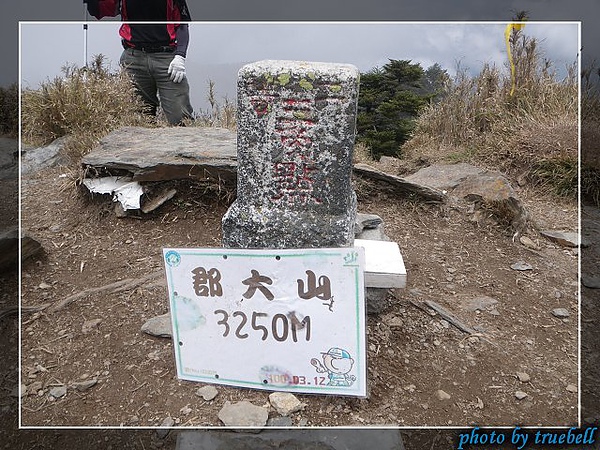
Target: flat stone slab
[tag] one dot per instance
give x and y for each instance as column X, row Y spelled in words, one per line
column 444, row 176
column 313, row 439
column 402, row 185
column 384, row 265
column 160, row 154
column 564, row 238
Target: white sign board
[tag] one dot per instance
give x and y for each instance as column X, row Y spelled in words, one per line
column 282, row 320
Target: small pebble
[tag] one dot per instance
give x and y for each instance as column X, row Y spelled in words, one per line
column 520, row 395
column 523, row 377
column 58, row 392
column 84, row 385
column 442, row 395
column 207, row 392
column 521, row 266
column 561, row 313
column 285, row 403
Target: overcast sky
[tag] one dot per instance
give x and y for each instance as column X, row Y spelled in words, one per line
column 218, row 50
column 587, row 11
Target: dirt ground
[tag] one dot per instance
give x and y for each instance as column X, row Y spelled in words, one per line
column 520, row 368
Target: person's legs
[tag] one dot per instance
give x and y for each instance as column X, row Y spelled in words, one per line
column 174, row 97
column 137, row 64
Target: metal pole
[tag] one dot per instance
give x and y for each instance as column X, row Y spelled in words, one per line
column 85, row 43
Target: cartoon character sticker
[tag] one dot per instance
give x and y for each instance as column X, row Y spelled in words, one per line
column 338, row 364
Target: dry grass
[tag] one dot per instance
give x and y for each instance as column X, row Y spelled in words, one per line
column 531, row 134
column 85, row 104
column 219, row 115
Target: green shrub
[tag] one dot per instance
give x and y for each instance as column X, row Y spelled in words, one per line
column 389, row 101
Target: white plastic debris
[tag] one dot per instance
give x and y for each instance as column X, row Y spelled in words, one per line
column 123, row 190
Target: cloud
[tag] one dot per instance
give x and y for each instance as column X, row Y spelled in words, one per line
column 218, row 50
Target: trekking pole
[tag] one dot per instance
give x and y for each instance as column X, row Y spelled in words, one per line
column 85, row 28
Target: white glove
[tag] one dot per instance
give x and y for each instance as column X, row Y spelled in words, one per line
column 177, row 69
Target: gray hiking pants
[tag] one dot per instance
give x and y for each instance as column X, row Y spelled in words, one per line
column 150, row 76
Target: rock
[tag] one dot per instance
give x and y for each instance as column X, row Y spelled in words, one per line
column 442, row 395
column 285, row 403
column 366, row 222
column 58, row 392
column 159, row 326
column 527, row 242
column 561, row 313
column 280, row 421
column 444, row 176
column 376, row 300
column 572, row 388
column 590, row 281
column 158, row 200
column 42, row 157
column 84, row 385
column 523, row 377
column 521, row 266
column 482, row 303
column 394, row 322
column 520, row 395
column 89, row 325
column 243, row 414
column 9, row 248
column 208, row 393
column 163, row 429
column 373, row 234
column 401, row 185
column 564, row 238
column 296, row 124
column 120, row 212
column 34, row 388
column 167, row 153
column 492, row 191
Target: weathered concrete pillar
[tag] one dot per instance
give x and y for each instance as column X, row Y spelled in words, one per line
column 296, row 128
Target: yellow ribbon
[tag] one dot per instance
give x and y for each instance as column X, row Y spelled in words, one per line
column 507, row 32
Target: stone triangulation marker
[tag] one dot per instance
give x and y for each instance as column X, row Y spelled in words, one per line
column 296, row 127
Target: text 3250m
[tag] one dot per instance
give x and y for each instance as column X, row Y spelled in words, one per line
column 280, row 327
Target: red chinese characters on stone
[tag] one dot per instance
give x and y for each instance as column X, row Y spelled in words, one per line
column 262, row 104
column 294, row 183
column 294, row 175
column 294, row 135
